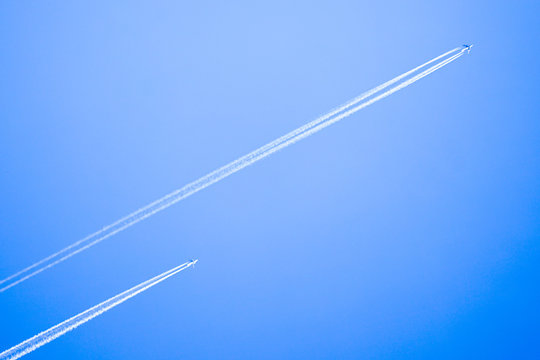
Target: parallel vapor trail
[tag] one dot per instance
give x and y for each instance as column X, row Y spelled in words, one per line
column 316, row 125
column 56, row 331
column 261, row 149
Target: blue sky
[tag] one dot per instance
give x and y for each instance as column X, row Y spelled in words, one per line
column 407, row 230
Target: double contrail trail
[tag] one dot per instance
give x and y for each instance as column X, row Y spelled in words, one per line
column 366, row 99
column 56, row 331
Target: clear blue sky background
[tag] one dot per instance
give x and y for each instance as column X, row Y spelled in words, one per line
column 410, row 230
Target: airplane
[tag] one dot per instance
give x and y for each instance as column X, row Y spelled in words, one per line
column 468, row 47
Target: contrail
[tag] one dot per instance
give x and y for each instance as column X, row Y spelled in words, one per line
column 56, row 331
column 261, row 149
column 234, row 166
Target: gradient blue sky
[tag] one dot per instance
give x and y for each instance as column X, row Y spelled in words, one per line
column 410, row 230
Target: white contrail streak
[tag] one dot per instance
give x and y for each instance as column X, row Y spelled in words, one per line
column 263, row 148
column 56, row 331
column 229, row 169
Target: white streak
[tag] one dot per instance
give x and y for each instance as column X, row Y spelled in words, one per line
column 229, row 169
column 56, row 331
